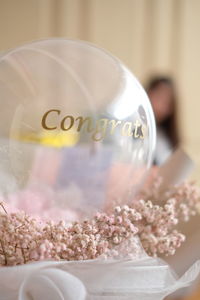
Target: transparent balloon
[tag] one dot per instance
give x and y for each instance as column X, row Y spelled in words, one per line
column 75, row 122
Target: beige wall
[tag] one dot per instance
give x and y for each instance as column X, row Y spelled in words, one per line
column 150, row 36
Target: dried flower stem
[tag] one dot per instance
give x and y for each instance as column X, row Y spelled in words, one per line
column 4, row 253
column 1, row 204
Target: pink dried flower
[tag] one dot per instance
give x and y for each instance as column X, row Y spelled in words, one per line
column 24, row 239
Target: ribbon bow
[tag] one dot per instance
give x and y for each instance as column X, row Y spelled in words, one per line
column 144, row 279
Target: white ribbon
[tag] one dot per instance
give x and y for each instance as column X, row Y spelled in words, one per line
column 145, row 279
column 39, row 281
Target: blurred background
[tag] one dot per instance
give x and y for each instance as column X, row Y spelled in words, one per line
column 153, row 38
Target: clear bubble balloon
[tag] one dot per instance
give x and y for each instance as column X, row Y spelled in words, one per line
column 74, row 120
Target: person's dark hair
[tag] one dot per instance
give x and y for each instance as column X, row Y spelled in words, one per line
column 169, row 125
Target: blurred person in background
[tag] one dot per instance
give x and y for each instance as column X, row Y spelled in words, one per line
column 162, row 95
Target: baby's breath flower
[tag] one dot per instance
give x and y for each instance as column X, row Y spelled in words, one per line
column 152, row 218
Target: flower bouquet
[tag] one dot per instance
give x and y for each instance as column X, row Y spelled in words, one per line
column 77, row 220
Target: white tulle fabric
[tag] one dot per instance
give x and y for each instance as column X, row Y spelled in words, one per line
column 145, row 279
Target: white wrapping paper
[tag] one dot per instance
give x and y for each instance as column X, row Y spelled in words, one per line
column 144, row 279
column 176, row 169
